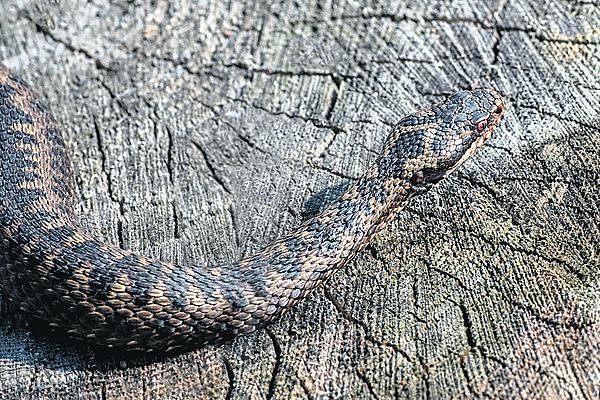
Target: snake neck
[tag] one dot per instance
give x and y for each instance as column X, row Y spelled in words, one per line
column 331, row 238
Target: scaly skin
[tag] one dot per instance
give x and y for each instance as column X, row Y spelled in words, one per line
column 95, row 292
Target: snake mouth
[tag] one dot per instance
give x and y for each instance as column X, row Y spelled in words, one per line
column 495, row 117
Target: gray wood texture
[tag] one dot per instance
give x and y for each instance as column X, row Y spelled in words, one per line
column 203, row 130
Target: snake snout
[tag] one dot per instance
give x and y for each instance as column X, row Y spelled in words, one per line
column 492, row 107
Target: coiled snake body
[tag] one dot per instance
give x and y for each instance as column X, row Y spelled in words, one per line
column 54, row 271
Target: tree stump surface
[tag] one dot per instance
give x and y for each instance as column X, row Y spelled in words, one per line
column 202, row 131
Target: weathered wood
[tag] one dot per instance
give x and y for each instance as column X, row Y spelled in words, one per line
column 202, row 131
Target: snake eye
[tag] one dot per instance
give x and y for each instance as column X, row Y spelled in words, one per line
column 481, row 125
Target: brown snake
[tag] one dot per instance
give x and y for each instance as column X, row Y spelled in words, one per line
column 54, row 271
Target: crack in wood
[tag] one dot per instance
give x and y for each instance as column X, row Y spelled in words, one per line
column 109, row 184
column 367, row 383
column 234, row 224
column 560, row 117
column 449, row 275
column 47, row 33
column 120, row 103
column 230, row 378
column 276, row 367
column 176, row 232
column 479, row 185
column 211, row 168
column 169, row 153
column 366, row 330
column 531, row 253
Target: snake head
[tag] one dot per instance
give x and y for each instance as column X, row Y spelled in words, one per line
column 427, row 146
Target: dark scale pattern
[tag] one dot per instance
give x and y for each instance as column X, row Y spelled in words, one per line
column 106, row 296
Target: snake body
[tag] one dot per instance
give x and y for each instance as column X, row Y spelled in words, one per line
column 54, row 271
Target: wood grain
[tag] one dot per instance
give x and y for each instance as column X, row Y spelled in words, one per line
column 201, row 131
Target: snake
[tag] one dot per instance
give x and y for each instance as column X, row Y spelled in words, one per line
column 106, row 297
